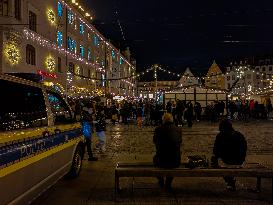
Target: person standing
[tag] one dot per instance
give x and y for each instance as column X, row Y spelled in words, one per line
column 230, row 147
column 197, row 111
column 100, row 130
column 167, row 139
column 87, row 123
column 189, row 114
column 139, row 116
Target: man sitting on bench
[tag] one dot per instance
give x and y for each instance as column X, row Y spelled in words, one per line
column 167, row 139
column 230, row 146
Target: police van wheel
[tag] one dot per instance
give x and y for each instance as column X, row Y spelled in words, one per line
column 76, row 163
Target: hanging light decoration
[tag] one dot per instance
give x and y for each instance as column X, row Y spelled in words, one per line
column 51, row 16
column 12, row 53
column 50, row 64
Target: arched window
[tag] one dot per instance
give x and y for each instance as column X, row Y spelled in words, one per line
column 30, row 55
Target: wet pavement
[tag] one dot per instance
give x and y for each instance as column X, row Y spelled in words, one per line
column 130, row 143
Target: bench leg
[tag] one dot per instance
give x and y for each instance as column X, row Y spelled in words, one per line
column 116, row 187
column 259, row 184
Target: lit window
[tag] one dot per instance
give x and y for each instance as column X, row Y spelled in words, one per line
column 60, row 9
column 96, row 41
column 103, row 79
column 113, row 54
column 82, row 51
column 69, row 43
column 81, row 28
column 89, row 54
column 74, row 46
column 60, row 38
column 120, row 61
column 70, row 17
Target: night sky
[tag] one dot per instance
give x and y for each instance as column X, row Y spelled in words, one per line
column 179, row 34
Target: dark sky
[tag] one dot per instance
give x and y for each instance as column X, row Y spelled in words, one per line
column 179, row 34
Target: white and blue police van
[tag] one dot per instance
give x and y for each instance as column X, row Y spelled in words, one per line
column 40, row 142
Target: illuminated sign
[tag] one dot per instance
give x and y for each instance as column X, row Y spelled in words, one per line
column 47, row 75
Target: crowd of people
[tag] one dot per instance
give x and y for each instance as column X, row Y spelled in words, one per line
column 229, row 148
column 150, row 112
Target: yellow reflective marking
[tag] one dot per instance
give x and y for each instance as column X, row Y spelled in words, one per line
column 15, row 135
column 19, row 165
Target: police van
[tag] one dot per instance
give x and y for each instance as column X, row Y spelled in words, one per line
column 40, row 141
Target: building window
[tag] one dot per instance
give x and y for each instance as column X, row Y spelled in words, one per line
column 89, row 73
column 263, row 68
column 89, row 54
column 69, row 43
column 228, row 78
column 228, row 85
column 4, row 7
column 60, row 9
column 74, row 46
column 30, row 55
column 17, row 9
column 32, row 21
column 258, row 77
column 270, row 68
column 233, row 77
column 71, row 67
column 81, row 28
column 59, row 64
column 96, row 41
column 70, row 17
column 81, row 51
column 60, row 38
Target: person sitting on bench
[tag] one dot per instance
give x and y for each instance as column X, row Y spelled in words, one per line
column 167, row 139
column 230, row 146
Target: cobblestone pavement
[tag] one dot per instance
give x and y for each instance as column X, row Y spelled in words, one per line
column 130, row 143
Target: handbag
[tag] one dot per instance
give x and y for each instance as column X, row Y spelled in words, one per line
column 198, row 161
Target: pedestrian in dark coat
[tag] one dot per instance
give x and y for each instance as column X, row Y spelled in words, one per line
column 189, row 114
column 167, row 139
column 230, row 146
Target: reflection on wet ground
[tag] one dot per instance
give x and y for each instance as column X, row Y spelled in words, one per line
column 129, row 143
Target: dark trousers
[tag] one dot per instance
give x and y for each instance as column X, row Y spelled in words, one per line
column 168, row 181
column 88, row 144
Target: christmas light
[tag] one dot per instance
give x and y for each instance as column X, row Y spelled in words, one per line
column 30, row 35
column 12, row 53
column 51, row 16
column 50, row 64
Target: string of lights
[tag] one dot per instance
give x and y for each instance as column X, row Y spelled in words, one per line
column 30, row 35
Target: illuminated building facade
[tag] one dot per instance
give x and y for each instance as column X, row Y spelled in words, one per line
column 245, row 78
column 148, row 89
column 188, row 79
column 215, row 79
column 56, row 39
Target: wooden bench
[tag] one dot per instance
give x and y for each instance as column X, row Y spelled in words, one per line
column 147, row 169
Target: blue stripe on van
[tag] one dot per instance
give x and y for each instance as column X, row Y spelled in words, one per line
column 19, row 151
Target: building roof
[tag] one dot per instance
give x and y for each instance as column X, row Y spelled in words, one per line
column 214, row 69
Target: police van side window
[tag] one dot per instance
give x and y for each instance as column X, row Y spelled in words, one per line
column 59, row 109
column 22, row 106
